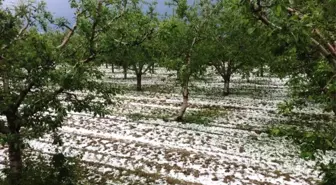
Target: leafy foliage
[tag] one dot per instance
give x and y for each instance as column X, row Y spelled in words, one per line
column 328, row 171
column 310, row 141
column 58, row 170
column 302, row 42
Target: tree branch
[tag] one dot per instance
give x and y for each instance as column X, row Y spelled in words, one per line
column 41, row 103
column 143, row 39
column 71, row 95
column 71, row 31
column 330, row 47
column 257, row 11
column 325, row 52
column 68, row 36
column 22, row 95
column 89, row 59
column 66, row 26
column 94, row 26
column 193, row 42
column 93, row 35
column 24, row 28
column 148, row 67
column 330, row 80
column 120, row 42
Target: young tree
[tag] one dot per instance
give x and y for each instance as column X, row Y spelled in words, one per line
column 135, row 43
column 183, row 33
column 42, row 72
column 234, row 45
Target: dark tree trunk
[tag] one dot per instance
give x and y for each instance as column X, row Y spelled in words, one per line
column 248, row 78
column 334, row 104
column 138, row 77
column 262, row 71
column 15, row 160
column 106, row 65
column 152, row 71
column 112, row 68
column 5, row 81
column 226, row 85
column 125, row 72
column 14, row 151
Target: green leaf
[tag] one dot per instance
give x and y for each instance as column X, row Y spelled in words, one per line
column 309, row 134
column 250, row 30
column 278, row 10
column 310, row 25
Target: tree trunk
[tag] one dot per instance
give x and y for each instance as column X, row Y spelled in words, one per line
column 334, row 104
column 106, row 65
column 15, row 160
column 185, row 94
column 5, row 82
column 185, row 90
column 262, row 71
column 112, row 68
column 138, row 77
column 125, row 72
column 14, row 151
column 226, row 85
column 152, row 69
column 248, row 78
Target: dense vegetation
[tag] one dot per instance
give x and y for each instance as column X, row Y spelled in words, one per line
column 45, row 61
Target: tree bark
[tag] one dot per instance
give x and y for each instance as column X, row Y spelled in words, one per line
column 185, row 91
column 152, row 71
column 14, row 151
column 248, row 78
column 112, row 68
column 334, row 104
column 226, row 85
column 185, row 94
column 106, row 65
column 138, row 77
column 15, row 160
column 261, row 71
column 5, row 81
column 125, row 72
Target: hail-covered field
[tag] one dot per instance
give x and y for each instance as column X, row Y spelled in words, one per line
column 221, row 142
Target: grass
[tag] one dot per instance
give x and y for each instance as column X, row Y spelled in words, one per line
column 204, row 116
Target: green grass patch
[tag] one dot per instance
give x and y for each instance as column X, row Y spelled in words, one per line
column 203, row 116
